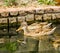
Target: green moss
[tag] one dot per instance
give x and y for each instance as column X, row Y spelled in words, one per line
column 47, row 2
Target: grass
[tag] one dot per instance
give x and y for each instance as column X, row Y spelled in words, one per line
column 47, row 2
column 10, row 2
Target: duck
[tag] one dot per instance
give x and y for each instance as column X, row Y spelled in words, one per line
column 35, row 30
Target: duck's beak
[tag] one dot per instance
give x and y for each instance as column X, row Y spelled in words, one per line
column 19, row 29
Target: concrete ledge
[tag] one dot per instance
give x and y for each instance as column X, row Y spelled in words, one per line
column 48, row 8
column 29, row 14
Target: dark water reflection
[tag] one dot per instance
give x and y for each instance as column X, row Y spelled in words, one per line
column 35, row 46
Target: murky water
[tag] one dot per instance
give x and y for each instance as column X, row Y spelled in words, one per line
column 35, row 46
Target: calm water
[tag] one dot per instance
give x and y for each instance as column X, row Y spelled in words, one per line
column 41, row 46
column 35, row 46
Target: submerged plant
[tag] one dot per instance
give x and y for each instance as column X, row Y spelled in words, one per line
column 47, row 2
column 11, row 47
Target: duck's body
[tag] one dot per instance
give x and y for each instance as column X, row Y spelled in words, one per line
column 36, row 30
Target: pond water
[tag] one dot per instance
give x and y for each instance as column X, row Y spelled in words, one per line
column 33, row 45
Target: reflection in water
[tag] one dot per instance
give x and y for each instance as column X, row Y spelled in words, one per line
column 44, row 46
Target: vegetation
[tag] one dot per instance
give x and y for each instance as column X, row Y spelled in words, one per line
column 11, row 46
column 10, row 2
column 47, row 2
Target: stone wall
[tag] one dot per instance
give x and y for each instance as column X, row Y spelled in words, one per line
column 11, row 17
column 29, row 14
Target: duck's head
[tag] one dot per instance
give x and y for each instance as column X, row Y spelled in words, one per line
column 23, row 26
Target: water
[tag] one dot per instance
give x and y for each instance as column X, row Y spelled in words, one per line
column 35, row 46
column 41, row 46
